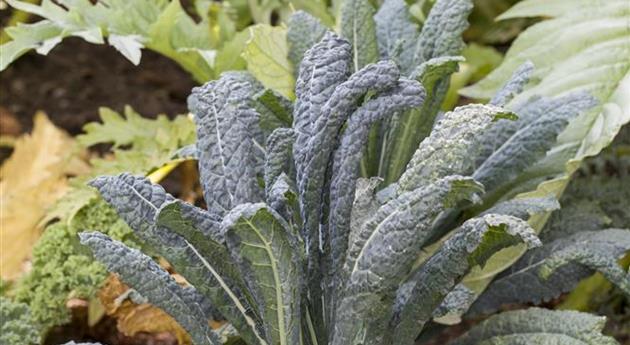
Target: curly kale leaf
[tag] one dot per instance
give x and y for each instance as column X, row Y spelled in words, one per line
column 59, row 269
column 17, row 326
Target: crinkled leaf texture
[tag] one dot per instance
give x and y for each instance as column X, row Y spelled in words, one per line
column 396, row 33
column 433, row 61
column 228, row 141
column 151, row 281
column 471, row 245
column 142, row 205
column 523, row 283
column 304, row 31
column 538, row 326
column 383, row 253
column 16, row 324
column 267, row 252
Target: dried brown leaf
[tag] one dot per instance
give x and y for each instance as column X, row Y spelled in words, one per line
column 135, row 318
column 31, row 180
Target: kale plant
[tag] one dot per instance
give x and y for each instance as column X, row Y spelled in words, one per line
column 354, row 214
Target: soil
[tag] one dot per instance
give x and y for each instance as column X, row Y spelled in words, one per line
column 76, row 78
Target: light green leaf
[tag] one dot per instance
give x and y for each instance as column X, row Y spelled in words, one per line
column 140, row 144
column 317, row 8
column 163, row 26
column 266, row 54
column 176, row 35
column 24, row 38
column 129, row 46
column 543, row 8
column 589, row 40
column 229, row 57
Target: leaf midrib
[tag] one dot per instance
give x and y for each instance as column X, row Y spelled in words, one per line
column 276, row 278
column 229, row 291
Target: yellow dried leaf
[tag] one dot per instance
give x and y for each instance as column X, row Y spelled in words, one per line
column 31, row 180
column 134, row 318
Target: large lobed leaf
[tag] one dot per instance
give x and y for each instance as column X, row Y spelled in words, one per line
column 162, row 26
column 266, row 56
